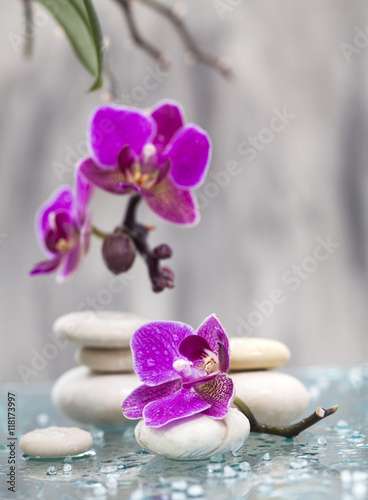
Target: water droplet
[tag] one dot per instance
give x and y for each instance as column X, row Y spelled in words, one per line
column 178, row 495
column 67, row 468
column 322, row 441
column 266, row 457
column 229, row 472
column 195, row 491
column 68, row 460
column 137, row 495
column 299, row 463
column 42, row 419
column 342, row 424
column 219, row 458
column 214, row 468
column 99, row 490
column 179, row 485
column 111, row 483
column 245, row 466
column 108, row 469
column 51, row 471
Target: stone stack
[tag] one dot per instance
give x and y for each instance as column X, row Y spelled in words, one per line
column 92, row 393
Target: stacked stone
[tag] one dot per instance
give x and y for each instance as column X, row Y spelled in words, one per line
column 93, row 392
column 275, row 398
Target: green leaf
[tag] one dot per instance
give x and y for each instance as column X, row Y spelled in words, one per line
column 79, row 20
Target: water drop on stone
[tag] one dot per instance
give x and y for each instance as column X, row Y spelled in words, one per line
column 111, row 484
column 266, row 457
column 342, row 424
column 178, row 495
column 137, row 495
column 322, row 441
column 195, row 491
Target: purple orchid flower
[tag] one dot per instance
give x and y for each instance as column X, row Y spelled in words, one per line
column 63, row 229
column 183, row 372
column 154, row 155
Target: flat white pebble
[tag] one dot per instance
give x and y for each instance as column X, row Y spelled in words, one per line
column 196, row 437
column 106, row 329
column 93, row 398
column 275, row 398
column 56, row 442
column 251, row 353
column 106, row 360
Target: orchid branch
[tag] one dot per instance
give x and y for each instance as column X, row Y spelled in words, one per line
column 28, row 38
column 199, row 54
column 190, row 43
column 97, row 232
column 161, row 278
column 135, row 34
column 288, row 431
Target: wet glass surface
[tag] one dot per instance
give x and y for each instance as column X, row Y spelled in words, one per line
column 329, row 461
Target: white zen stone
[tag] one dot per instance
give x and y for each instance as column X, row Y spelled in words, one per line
column 274, row 398
column 56, row 442
column 106, row 360
column 106, row 329
column 195, row 438
column 93, row 398
column 249, row 353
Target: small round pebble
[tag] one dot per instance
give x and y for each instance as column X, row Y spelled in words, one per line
column 56, row 442
column 106, row 329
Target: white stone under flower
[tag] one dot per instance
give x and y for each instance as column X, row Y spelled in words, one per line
column 195, row 438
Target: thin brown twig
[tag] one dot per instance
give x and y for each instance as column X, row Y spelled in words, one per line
column 28, row 28
column 199, row 54
column 134, row 32
column 288, row 431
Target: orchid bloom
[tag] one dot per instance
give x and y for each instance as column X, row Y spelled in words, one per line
column 154, row 155
column 63, row 229
column 183, row 372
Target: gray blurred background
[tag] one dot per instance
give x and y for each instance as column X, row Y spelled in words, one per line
column 261, row 226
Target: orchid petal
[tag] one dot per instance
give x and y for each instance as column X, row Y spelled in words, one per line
column 83, row 193
column 61, row 199
column 70, row 264
column 113, row 127
column 189, row 152
column 133, row 405
column 198, row 379
column 45, row 267
column 193, row 347
column 173, row 204
column 155, row 349
column 212, row 330
column 224, row 358
column 107, row 179
column 219, row 393
column 168, row 116
column 125, row 159
column 182, row 403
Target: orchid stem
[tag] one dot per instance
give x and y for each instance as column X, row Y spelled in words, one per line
column 288, row 431
column 97, row 232
column 29, row 31
column 161, row 277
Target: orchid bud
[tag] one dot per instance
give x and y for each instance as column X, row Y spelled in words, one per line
column 162, row 252
column 118, row 252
